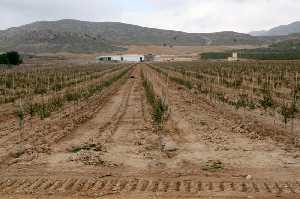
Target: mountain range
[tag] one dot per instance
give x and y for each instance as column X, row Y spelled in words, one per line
column 86, row 37
column 282, row 30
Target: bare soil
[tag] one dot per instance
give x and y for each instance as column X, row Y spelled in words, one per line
column 117, row 152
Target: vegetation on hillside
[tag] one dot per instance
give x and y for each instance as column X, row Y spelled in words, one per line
column 259, row 54
column 285, row 50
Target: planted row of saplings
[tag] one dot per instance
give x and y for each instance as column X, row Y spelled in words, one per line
column 56, row 96
column 262, row 95
column 287, row 109
column 159, row 106
column 250, row 76
column 255, row 84
column 264, row 98
column 27, row 78
column 44, row 108
column 184, row 82
column 13, row 95
column 276, row 72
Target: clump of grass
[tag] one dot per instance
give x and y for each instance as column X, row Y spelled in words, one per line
column 76, row 149
column 87, row 147
column 213, row 165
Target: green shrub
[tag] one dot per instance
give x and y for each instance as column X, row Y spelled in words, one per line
column 12, row 58
column 4, row 59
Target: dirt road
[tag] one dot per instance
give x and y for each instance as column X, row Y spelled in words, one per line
column 119, row 153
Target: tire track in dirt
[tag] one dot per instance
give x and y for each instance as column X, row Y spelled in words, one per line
column 192, row 187
column 131, row 140
column 107, row 131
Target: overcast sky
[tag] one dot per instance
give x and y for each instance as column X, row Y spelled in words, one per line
column 184, row 15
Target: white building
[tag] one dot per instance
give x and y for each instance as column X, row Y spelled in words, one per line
column 122, row 58
column 234, row 57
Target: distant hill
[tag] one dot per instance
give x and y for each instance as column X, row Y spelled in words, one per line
column 51, row 41
column 280, row 30
column 84, row 37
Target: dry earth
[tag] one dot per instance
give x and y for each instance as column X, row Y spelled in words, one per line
column 118, row 153
column 191, row 52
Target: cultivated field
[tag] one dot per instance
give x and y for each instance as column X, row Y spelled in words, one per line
column 150, row 130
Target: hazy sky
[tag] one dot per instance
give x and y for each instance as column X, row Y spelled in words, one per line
column 184, row 15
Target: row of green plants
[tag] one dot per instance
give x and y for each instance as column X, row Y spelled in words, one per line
column 287, row 108
column 242, row 74
column 159, row 107
column 236, row 83
column 10, row 92
column 274, row 84
column 44, row 108
column 15, row 79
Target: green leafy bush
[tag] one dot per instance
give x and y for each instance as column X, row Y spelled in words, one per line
column 12, row 58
